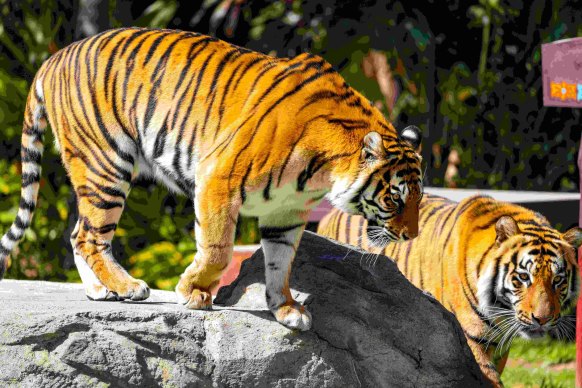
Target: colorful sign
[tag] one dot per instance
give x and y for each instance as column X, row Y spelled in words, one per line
column 562, row 73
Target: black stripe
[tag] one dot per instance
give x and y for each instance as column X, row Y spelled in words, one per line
column 276, row 232
column 306, row 174
column 26, row 205
column 106, row 205
column 483, row 257
column 160, row 142
column 193, row 137
column 434, row 210
column 109, row 67
column 29, row 179
column 358, row 194
column 243, row 193
column 156, row 79
column 19, row 223
column 101, row 229
column 3, row 252
column 96, row 111
column 348, row 226
column 246, row 68
column 349, row 124
column 284, row 74
column 266, row 68
column 219, row 69
column 295, row 90
column 33, row 131
column 191, row 55
column 267, row 189
column 10, row 235
column 212, row 92
column 337, row 222
column 479, row 340
column 325, row 95
column 115, row 110
column 153, row 46
column 292, row 149
column 493, row 221
column 30, row 155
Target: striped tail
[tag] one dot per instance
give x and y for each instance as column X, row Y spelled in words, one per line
column 31, row 153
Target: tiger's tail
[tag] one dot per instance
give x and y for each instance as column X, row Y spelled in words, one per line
column 32, row 147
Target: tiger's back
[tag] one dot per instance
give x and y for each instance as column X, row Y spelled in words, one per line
column 210, row 102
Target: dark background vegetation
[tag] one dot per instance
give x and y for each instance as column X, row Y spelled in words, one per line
column 468, row 73
column 470, row 78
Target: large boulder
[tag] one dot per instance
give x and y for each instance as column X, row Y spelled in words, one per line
column 371, row 328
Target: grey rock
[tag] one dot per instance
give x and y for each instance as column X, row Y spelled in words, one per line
column 371, row 328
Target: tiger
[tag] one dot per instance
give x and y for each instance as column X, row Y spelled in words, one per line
column 236, row 131
column 500, row 268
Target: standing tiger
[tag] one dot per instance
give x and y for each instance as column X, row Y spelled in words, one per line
column 236, row 131
column 500, row 268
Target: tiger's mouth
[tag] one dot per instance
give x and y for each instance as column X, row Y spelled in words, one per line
column 534, row 332
column 379, row 236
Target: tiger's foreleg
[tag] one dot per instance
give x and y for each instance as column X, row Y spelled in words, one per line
column 215, row 224
column 279, row 243
column 486, row 365
column 501, row 362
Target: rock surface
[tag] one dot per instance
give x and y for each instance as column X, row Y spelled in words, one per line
column 371, row 328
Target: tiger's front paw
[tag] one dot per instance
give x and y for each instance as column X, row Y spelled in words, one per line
column 133, row 289
column 99, row 292
column 293, row 316
column 193, row 298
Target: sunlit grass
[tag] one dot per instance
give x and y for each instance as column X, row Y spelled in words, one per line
column 540, row 364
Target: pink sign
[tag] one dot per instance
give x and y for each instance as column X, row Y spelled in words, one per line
column 562, row 73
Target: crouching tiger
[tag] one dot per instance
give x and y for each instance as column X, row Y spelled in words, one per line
column 500, row 268
column 237, row 131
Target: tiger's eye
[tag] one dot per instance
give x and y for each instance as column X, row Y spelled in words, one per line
column 395, row 197
column 558, row 279
column 523, row 277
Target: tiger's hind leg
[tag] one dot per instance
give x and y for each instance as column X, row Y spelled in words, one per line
column 101, row 194
column 94, row 289
column 280, row 245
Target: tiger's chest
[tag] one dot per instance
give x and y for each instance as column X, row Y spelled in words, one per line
column 261, row 203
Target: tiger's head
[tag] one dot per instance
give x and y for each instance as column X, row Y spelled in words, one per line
column 388, row 187
column 534, row 280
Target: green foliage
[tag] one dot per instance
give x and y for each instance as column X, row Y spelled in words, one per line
column 39, row 255
column 36, row 30
column 158, row 14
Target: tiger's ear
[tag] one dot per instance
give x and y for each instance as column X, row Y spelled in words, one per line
column 373, row 147
column 505, row 228
column 412, row 135
column 573, row 237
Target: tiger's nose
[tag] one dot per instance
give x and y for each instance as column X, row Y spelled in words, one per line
column 541, row 320
column 408, row 235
